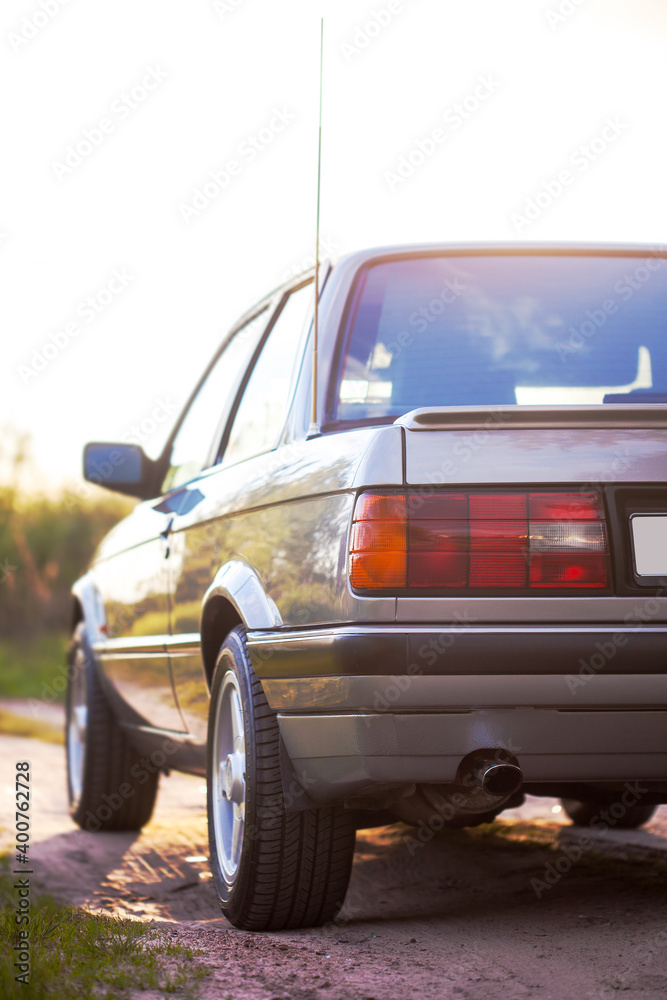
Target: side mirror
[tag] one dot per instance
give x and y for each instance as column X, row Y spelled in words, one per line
column 123, row 468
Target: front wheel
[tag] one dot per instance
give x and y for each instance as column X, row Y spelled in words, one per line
column 109, row 788
column 582, row 813
column 272, row 869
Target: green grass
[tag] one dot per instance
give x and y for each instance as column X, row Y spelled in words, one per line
column 32, row 667
column 35, row 729
column 76, row 954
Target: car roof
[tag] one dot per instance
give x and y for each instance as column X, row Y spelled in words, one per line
column 515, row 247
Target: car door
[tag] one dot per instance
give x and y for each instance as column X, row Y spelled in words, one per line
column 134, row 585
column 204, row 536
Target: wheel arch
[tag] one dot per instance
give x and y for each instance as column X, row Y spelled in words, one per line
column 236, row 596
column 87, row 606
column 76, row 614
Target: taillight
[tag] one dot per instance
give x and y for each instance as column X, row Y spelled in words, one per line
column 472, row 540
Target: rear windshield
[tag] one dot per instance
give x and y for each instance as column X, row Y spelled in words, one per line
column 524, row 330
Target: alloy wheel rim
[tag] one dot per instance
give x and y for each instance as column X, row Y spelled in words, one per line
column 77, row 725
column 229, row 777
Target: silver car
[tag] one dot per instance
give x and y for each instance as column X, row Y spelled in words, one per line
column 414, row 587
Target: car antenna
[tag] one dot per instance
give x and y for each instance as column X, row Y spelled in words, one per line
column 314, row 429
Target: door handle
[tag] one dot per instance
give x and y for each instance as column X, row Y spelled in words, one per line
column 164, row 535
column 167, row 529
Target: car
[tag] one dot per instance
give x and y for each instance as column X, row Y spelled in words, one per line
column 411, row 575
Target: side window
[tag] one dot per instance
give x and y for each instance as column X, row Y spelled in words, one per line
column 263, row 407
column 211, row 405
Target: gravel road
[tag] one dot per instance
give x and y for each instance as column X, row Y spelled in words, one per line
column 463, row 915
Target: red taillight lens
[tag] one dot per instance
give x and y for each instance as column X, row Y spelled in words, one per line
column 565, row 507
column 438, row 540
column 498, row 540
column 479, row 540
column 582, row 569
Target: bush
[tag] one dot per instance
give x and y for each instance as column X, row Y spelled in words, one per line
column 46, row 541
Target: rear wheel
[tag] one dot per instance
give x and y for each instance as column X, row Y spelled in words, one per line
column 272, row 869
column 582, row 813
column 109, row 788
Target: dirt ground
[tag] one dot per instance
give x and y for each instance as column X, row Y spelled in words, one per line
column 468, row 915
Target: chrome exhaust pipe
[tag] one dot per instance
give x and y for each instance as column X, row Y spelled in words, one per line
column 496, row 777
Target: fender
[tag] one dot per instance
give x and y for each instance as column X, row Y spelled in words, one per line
column 239, row 584
column 87, row 594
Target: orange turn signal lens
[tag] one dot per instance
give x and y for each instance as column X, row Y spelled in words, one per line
column 378, row 543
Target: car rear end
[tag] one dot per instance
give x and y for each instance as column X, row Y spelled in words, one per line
column 524, row 552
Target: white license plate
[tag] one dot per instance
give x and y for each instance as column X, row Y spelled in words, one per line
column 649, row 538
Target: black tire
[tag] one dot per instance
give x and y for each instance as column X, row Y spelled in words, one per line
column 110, row 789
column 582, row 813
column 293, row 868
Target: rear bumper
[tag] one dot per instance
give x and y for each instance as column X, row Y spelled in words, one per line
column 335, row 756
column 459, row 650
column 361, row 706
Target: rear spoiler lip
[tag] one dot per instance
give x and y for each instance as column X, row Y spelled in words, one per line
column 605, row 415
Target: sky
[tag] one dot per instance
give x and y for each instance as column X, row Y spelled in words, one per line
column 159, row 171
